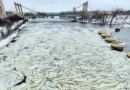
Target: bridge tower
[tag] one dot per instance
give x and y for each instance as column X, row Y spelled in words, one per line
column 85, row 9
column 18, row 8
column 2, row 10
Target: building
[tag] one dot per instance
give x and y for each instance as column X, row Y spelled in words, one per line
column 2, row 10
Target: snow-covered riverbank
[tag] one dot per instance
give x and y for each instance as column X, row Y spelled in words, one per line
column 7, row 40
column 56, row 57
column 120, row 20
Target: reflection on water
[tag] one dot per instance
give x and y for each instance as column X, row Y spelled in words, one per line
column 122, row 36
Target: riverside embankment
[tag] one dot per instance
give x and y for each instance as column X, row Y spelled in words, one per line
column 14, row 31
column 52, row 56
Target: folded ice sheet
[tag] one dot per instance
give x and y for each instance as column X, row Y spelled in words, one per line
column 11, row 79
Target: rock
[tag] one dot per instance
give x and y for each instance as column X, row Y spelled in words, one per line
column 13, row 41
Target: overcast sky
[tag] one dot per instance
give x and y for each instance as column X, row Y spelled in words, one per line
column 67, row 5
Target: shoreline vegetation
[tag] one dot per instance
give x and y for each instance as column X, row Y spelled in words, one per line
column 9, row 29
column 9, row 25
column 117, row 17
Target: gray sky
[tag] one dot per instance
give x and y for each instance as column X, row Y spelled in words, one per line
column 67, row 5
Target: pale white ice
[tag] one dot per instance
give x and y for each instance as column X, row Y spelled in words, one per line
column 56, row 57
column 4, row 42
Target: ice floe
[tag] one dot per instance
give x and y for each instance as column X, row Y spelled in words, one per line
column 56, row 57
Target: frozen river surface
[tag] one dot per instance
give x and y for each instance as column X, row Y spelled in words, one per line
column 50, row 56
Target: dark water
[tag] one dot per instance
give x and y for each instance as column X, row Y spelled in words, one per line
column 123, row 35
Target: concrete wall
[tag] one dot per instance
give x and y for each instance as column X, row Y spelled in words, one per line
column 2, row 10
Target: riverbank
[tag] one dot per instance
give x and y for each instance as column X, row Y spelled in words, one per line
column 53, row 56
column 120, row 20
column 14, row 32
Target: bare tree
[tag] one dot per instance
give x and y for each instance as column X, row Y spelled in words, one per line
column 114, row 14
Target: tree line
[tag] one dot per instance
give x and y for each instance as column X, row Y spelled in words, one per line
column 101, row 16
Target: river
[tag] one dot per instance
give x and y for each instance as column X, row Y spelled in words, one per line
column 51, row 54
column 122, row 36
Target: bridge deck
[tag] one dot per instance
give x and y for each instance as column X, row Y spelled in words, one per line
column 52, row 16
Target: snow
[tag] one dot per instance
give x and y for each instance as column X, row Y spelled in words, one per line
column 15, row 24
column 4, row 31
column 57, row 57
column 126, row 25
column 5, row 42
column 22, row 26
column 121, row 20
column 118, row 20
column 12, row 27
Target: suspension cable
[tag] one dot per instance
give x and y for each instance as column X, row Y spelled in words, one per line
column 79, row 6
column 11, row 7
column 28, row 8
column 91, row 6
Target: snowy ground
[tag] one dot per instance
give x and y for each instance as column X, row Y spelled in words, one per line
column 12, row 27
column 5, row 42
column 15, row 24
column 56, row 57
column 121, row 20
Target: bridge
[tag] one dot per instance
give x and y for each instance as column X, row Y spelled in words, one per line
column 51, row 16
column 83, row 13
